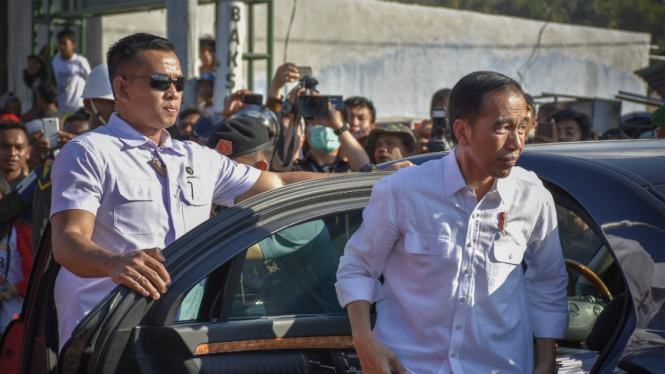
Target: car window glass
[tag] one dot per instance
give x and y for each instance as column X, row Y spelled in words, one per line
column 290, row 272
column 578, row 241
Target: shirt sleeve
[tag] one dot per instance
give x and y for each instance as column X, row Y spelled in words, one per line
column 546, row 276
column 76, row 180
column 233, row 180
column 85, row 67
column 367, row 251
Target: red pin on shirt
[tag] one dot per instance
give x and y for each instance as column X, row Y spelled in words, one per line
column 502, row 224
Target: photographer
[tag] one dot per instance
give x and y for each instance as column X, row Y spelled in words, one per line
column 327, row 139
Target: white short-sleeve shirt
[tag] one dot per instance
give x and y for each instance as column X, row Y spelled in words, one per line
column 70, row 77
column 107, row 172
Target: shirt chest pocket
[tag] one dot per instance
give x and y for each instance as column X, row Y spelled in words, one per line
column 426, row 257
column 505, row 268
column 197, row 201
column 137, row 203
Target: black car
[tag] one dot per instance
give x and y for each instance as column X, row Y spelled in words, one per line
column 231, row 309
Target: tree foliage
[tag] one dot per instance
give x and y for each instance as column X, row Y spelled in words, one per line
column 633, row 15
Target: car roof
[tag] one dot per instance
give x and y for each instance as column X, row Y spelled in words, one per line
column 642, row 161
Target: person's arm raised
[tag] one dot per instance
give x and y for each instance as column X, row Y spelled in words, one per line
column 141, row 270
column 348, row 144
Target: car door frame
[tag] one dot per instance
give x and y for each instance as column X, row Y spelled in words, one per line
column 101, row 337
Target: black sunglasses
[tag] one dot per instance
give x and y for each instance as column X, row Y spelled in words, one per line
column 161, row 82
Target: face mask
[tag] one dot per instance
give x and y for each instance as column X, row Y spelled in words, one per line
column 323, row 139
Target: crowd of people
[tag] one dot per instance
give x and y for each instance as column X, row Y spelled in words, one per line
column 270, row 145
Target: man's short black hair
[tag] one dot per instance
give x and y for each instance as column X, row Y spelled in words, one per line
column 364, row 102
column 442, row 95
column 191, row 110
column 79, row 115
column 126, row 50
column 13, row 125
column 466, row 98
column 66, row 33
column 583, row 121
column 47, row 92
column 207, row 43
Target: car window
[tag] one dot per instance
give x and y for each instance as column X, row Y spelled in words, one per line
column 290, row 272
column 578, row 241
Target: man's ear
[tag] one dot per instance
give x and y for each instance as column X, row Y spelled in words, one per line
column 462, row 131
column 120, row 89
column 262, row 165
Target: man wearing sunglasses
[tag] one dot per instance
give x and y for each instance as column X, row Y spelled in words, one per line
column 123, row 191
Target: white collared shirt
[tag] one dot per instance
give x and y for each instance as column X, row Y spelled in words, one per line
column 107, row 172
column 455, row 297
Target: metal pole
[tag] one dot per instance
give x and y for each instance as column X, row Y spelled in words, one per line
column 182, row 26
column 271, row 26
column 49, row 35
column 82, row 37
column 250, row 45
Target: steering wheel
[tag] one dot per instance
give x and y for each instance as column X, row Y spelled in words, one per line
column 582, row 313
column 595, row 280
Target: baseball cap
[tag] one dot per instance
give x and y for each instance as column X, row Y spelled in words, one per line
column 6, row 98
column 239, row 136
column 207, row 124
column 658, row 117
column 98, row 86
column 395, row 129
column 208, row 76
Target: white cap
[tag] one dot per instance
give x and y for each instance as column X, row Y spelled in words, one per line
column 98, row 85
column 34, row 126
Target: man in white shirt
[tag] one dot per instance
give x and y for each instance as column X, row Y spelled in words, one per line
column 449, row 237
column 123, row 191
column 71, row 71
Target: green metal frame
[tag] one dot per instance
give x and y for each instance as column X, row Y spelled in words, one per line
column 76, row 17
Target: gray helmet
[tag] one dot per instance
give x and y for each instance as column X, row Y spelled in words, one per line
column 263, row 114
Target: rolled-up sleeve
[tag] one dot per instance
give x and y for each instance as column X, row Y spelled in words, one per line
column 367, row 251
column 546, row 276
column 77, row 180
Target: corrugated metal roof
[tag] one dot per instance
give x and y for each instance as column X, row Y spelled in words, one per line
column 655, row 76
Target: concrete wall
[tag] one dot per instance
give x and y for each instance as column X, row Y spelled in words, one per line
column 399, row 55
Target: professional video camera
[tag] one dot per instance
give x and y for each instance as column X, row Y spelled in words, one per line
column 440, row 128
column 310, row 106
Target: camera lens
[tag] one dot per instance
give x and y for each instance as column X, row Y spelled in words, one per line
column 313, row 105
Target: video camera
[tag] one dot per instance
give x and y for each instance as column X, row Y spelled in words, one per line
column 440, row 128
column 310, row 106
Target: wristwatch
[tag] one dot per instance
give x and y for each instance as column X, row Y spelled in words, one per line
column 368, row 168
column 346, row 127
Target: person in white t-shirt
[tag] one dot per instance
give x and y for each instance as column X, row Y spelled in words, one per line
column 71, row 71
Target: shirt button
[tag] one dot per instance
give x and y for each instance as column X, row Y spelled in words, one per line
column 510, row 256
column 458, row 327
column 453, row 355
column 467, row 271
column 140, row 193
column 469, row 244
column 427, row 247
column 462, row 299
